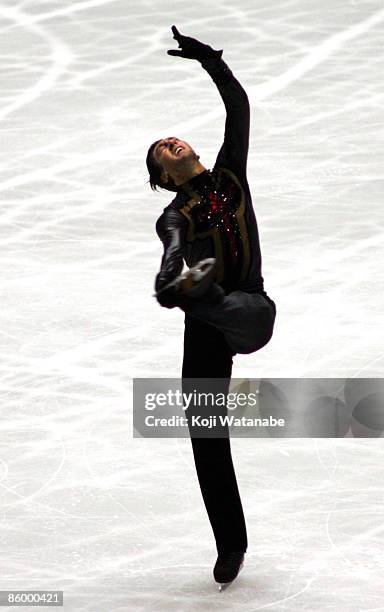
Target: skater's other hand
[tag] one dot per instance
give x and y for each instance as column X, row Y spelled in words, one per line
column 191, row 48
column 169, row 298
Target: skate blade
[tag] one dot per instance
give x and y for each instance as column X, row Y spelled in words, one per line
column 224, row 585
column 173, row 283
column 198, row 272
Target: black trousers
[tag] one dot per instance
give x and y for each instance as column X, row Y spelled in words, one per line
column 245, row 319
column 207, row 355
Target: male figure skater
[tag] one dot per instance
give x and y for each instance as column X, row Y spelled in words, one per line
column 226, row 313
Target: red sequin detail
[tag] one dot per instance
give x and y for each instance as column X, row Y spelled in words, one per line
column 217, row 204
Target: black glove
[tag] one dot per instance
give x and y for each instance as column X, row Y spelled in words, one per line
column 169, row 297
column 192, row 48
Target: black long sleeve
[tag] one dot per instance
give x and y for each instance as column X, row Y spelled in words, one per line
column 170, row 228
column 234, row 151
column 212, row 214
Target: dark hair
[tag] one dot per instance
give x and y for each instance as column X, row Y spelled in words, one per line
column 155, row 169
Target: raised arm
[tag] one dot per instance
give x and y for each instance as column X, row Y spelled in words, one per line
column 234, row 151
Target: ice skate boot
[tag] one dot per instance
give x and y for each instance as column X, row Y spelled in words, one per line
column 227, row 568
column 195, row 281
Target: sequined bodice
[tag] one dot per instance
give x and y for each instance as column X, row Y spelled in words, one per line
column 219, row 201
column 215, row 212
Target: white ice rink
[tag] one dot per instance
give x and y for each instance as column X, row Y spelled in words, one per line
column 118, row 523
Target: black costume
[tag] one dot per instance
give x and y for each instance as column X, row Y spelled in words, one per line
column 212, row 216
column 212, row 213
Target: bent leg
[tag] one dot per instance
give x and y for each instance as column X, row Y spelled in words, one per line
column 245, row 319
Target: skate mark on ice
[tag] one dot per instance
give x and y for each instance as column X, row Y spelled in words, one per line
column 64, row 12
column 60, row 55
column 315, row 57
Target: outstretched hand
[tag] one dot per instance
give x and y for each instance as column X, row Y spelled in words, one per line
column 191, row 48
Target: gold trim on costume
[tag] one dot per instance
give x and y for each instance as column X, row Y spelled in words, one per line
column 214, row 232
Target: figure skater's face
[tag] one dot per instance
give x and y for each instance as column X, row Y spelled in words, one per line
column 172, row 154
